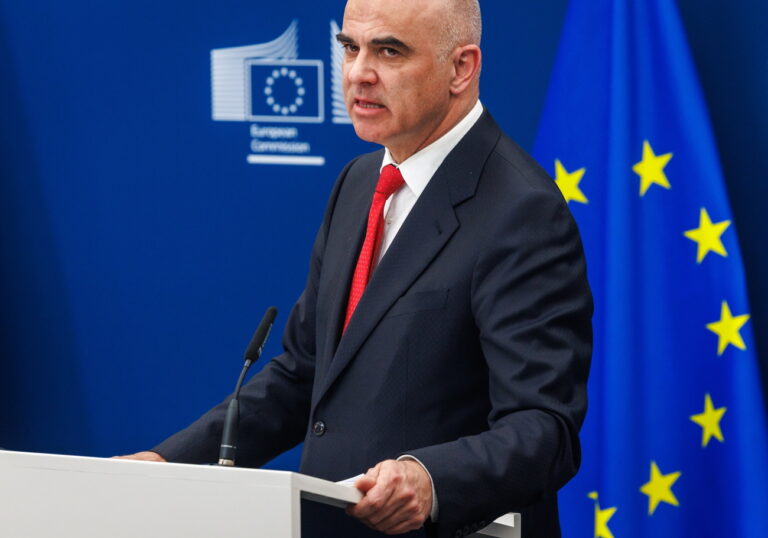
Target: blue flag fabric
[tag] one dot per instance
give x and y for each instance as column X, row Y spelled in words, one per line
column 675, row 440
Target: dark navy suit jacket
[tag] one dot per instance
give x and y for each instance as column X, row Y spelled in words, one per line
column 469, row 350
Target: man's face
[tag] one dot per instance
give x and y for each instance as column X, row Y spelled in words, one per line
column 396, row 80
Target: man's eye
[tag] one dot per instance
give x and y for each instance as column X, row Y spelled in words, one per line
column 349, row 47
column 387, row 51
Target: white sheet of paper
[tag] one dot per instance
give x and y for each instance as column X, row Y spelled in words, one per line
column 350, row 481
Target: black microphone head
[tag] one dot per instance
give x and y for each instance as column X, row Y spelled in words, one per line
column 253, row 351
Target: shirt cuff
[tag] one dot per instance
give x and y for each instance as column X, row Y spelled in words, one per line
column 435, row 508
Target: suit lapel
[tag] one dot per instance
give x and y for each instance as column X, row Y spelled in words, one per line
column 426, row 230
column 349, row 224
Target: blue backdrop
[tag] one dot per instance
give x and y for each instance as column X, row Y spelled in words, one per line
column 140, row 246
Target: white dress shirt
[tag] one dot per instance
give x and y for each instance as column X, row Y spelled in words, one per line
column 417, row 170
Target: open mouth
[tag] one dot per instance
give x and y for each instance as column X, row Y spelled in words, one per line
column 362, row 103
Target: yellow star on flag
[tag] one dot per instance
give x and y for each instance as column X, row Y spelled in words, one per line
column 602, row 517
column 651, row 169
column 568, row 182
column 709, row 420
column 727, row 329
column 659, row 488
column 707, row 235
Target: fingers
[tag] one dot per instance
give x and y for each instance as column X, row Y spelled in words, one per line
column 368, row 480
column 365, row 484
column 376, row 498
column 398, row 497
column 142, row 456
column 393, row 516
column 406, row 519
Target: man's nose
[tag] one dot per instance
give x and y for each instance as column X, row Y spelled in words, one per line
column 360, row 69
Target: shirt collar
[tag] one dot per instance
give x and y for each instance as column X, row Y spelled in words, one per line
column 419, row 168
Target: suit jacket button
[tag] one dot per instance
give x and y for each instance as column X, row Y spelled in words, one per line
column 318, row 428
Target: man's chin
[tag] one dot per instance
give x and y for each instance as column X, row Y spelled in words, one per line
column 366, row 133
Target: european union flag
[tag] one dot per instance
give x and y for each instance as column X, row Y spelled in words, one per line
column 675, row 440
column 286, row 90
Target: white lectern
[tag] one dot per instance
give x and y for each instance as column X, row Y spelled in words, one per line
column 43, row 495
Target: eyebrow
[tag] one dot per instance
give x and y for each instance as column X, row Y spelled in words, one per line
column 387, row 41
column 344, row 38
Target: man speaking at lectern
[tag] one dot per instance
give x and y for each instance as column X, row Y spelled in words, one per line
column 442, row 342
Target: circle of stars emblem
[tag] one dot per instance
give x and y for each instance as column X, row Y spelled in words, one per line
column 284, row 108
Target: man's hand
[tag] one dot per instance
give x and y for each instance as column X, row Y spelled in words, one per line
column 397, row 497
column 141, row 456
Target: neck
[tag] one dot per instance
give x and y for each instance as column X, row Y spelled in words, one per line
column 455, row 114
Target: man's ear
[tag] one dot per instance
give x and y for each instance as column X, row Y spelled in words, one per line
column 466, row 67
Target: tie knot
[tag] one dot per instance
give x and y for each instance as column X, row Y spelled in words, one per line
column 390, row 180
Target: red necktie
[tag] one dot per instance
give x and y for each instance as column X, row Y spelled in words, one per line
column 390, row 181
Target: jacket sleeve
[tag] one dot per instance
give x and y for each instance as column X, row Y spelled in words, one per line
column 532, row 306
column 274, row 404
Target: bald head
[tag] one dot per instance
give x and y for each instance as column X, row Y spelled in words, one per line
column 410, row 69
column 456, row 23
column 462, row 24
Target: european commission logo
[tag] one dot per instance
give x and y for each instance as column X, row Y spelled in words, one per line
column 289, row 91
column 267, row 83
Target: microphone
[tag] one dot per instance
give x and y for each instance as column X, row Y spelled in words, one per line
column 252, row 354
